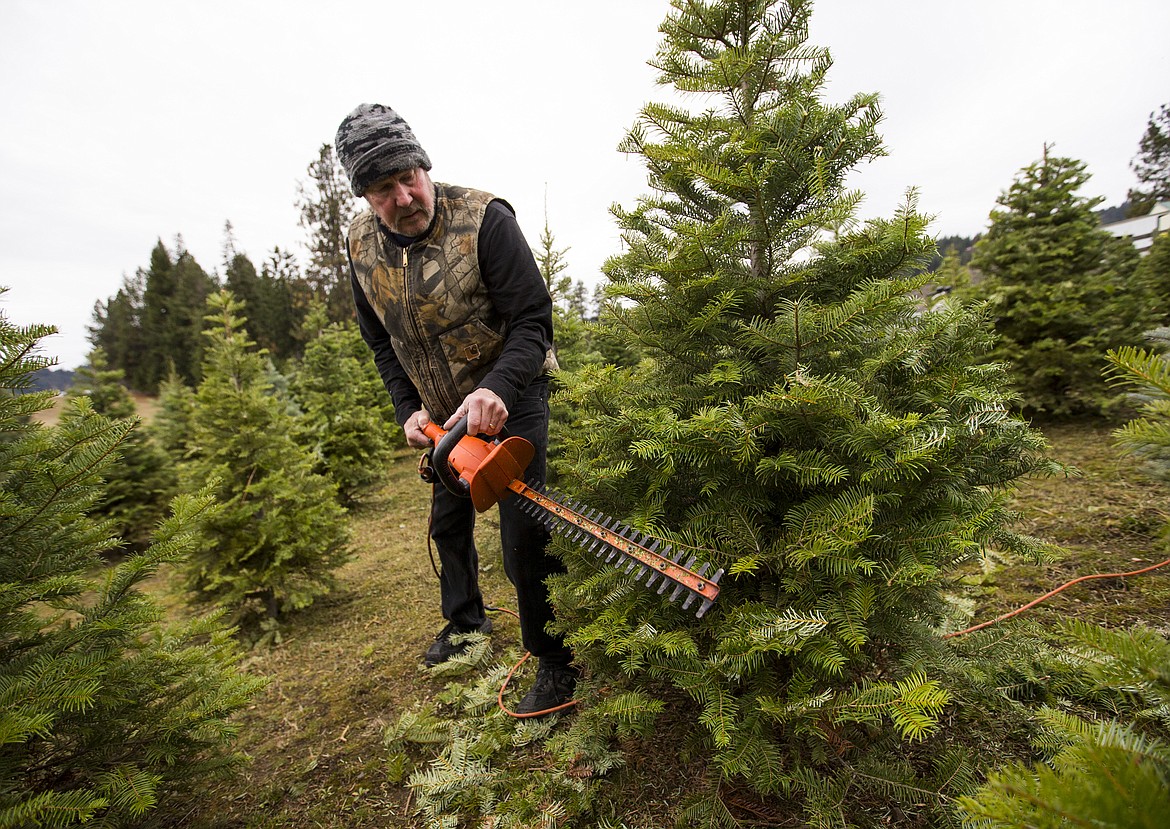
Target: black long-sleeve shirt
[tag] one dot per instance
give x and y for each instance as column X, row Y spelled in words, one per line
column 518, row 293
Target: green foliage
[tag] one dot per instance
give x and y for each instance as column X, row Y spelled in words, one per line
column 268, row 300
column 281, row 532
column 153, row 322
column 1100, row 772
column 468, row 761
column 1152, row 164
column 326, row 206
column 1148, row 372
column 174, row 423
column 171, row 318
column 568, row 319
column 795, row 421
column 1153, row 276
column 960, row 247
column 117, row 326
column 139, row 489
column 348, row 419
column 151, row 327
column 1060, row 289
column 103, row 711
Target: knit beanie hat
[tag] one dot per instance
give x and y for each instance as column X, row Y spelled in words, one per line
column 373, row 142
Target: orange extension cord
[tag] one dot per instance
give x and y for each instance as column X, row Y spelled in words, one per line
column 523, row 659
column 1052, row 593
column 511, row 673
column 972, row 629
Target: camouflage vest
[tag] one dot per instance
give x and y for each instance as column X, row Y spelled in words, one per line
column 431, row 299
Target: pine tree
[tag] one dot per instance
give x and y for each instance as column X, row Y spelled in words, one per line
column 1108, row 773
column 281, row 532
column 241, row 278
column 117, row 327
column 1060, row 288
column 568, row 321
column 1152, row 277
column 1147, row 373
column 174, row 423
column 348, row 419
column 104, row 712
column 1152, row 164
column 165, row 336
column 794, row 421
column 285, row 301
column 139, row 489
column 326, row 207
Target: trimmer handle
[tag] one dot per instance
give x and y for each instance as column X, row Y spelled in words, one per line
column 445, row 442
column 471, row 467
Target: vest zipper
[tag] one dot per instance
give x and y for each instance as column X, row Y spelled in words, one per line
column 408, row 299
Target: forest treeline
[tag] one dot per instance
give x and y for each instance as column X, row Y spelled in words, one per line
column 153, row 324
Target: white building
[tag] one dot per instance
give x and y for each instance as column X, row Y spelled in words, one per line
column 1142, row 229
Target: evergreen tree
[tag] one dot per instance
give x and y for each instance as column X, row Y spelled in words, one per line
column 285, row 301
column 950, row 276
column 241, row 278
column 569, row 333
column 1147, row 372
column 1152, row 164
column 794, row 421
column 155, row 320
column 117, row 328
column 281, row 532
column 961, row 246
column 1060, row 288
column 1103, row 773
column 174, row 423
column 104, row 712
column 1152, row 276
column 348, row 419
column 139, row 489
column 326, row 206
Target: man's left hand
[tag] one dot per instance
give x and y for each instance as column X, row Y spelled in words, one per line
column 486, row 413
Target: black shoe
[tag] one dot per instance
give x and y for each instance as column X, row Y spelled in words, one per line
column 443, row 649
column 554, row 686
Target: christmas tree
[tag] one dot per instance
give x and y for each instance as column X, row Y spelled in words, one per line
column 1061, row 290
column 796, row 420
column 348, row 419
column 104, row 711
column 140, row 487
column 281, row 533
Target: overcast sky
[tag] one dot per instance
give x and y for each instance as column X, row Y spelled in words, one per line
column 123, row 122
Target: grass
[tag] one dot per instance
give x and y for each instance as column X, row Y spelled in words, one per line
column 1107, row 520
column 349, row 666
column 344, row 670
column 146, row 406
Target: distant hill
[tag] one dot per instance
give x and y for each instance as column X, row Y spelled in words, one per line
column 1109, row 215
column 52, row 378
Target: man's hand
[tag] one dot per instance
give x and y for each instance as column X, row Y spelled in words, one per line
column 413, row 427
column 486, row 413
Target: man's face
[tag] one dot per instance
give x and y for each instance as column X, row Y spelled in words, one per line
column 404, row 201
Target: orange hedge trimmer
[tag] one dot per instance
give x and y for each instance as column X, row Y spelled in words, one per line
column 487, row 471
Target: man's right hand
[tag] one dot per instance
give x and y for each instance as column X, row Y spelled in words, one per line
column 413, row 427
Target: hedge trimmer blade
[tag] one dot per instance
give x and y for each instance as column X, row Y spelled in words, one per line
column 486, row 472
column 622, row 545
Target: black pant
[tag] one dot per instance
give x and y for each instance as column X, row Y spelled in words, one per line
column 524, row 541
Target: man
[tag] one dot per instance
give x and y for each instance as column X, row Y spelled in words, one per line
column 451, row 302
